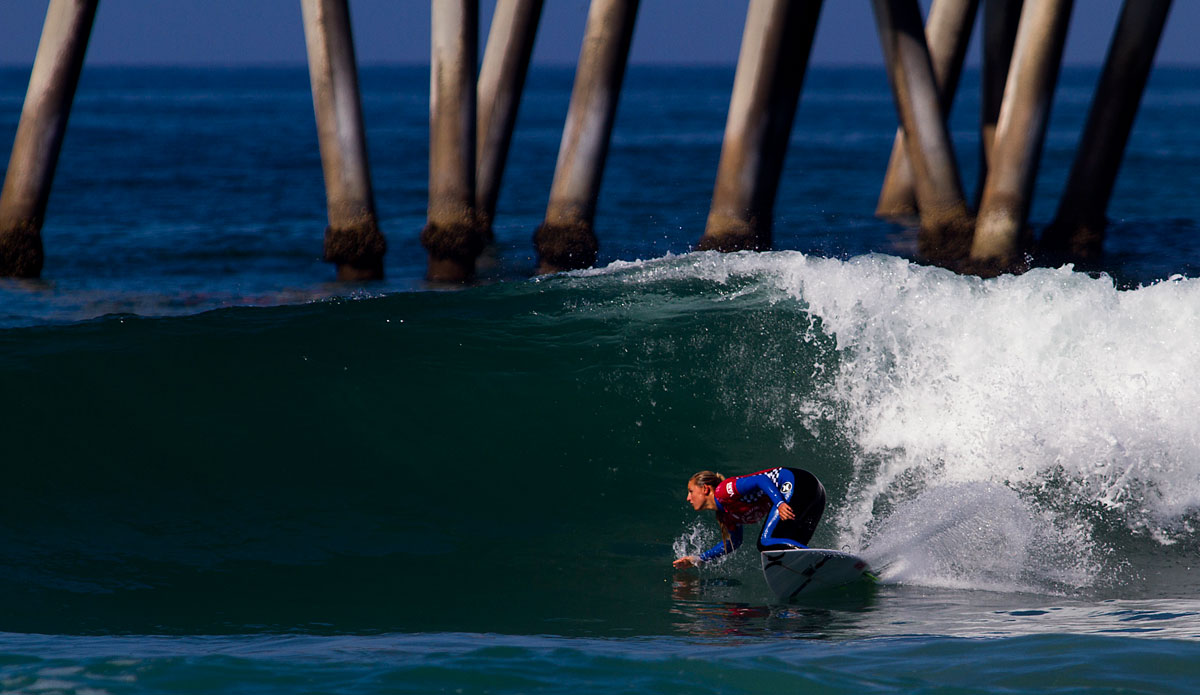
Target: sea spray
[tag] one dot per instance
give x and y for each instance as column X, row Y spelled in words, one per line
column 981, row 535
column 1020, row 382
column 695, row 539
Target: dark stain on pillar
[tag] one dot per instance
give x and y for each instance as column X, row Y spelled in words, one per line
column 453, row 246
column 565, row 246
column 21, row 254
column 357, row 249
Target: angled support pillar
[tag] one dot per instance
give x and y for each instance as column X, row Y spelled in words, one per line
column 352, row 240
column 501, row 81
column 945, row 219
column 1078, row 228
column 1000, row 20
column 1020, row 133
column 948, row 32
column 566, row 239
column 776, row 44
column 452, row 236
column 40, row 134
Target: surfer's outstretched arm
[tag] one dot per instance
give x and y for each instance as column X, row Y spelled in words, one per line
column 726, row 546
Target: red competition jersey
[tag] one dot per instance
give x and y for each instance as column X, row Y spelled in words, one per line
column 746, row 499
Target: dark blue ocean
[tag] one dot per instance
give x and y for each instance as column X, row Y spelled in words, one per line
column 225, row 472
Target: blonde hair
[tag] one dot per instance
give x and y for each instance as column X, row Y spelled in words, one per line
column 708, row 478
column 711, row 479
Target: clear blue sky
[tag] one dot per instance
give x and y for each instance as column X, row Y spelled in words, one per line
column 237, row 32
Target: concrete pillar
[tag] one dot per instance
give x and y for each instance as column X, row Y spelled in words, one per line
column 566, row 239
column 452, row 235
column 1079, row 226
column 776, row 43
column 501, row 81
column 40, row 134
column 945, row 219
column 352, row 240
column 1020, row 132
column 1000, row 19
column 947, row 31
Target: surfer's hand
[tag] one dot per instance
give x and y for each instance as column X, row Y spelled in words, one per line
column 686, row 561
column 785, row 512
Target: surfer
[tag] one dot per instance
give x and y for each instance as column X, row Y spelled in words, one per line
column 790, row 499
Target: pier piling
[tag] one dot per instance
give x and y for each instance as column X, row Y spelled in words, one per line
column 471, row 125
column 40, row 133
column 1000, row 21
column 1020, row 133
column 1079, row 226
column 501, row 81
column 947, row 32
column 945, row 219
column 776, row 44
column 352, row 240
column 452, row 236
column 566, row 239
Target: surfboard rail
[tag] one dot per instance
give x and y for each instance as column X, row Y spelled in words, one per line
column 793, row 572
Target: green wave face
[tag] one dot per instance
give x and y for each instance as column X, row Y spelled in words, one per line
column 486, row 459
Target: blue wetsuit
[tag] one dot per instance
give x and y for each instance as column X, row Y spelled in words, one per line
column 748, row 499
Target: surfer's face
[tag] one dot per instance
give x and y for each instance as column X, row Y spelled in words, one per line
column 698, row 495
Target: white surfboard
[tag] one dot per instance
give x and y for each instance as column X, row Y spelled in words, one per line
column 795, row 572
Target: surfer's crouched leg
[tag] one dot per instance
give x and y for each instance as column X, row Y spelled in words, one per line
column 807, row 499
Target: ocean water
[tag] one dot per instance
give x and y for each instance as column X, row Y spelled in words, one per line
column 224, row 472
